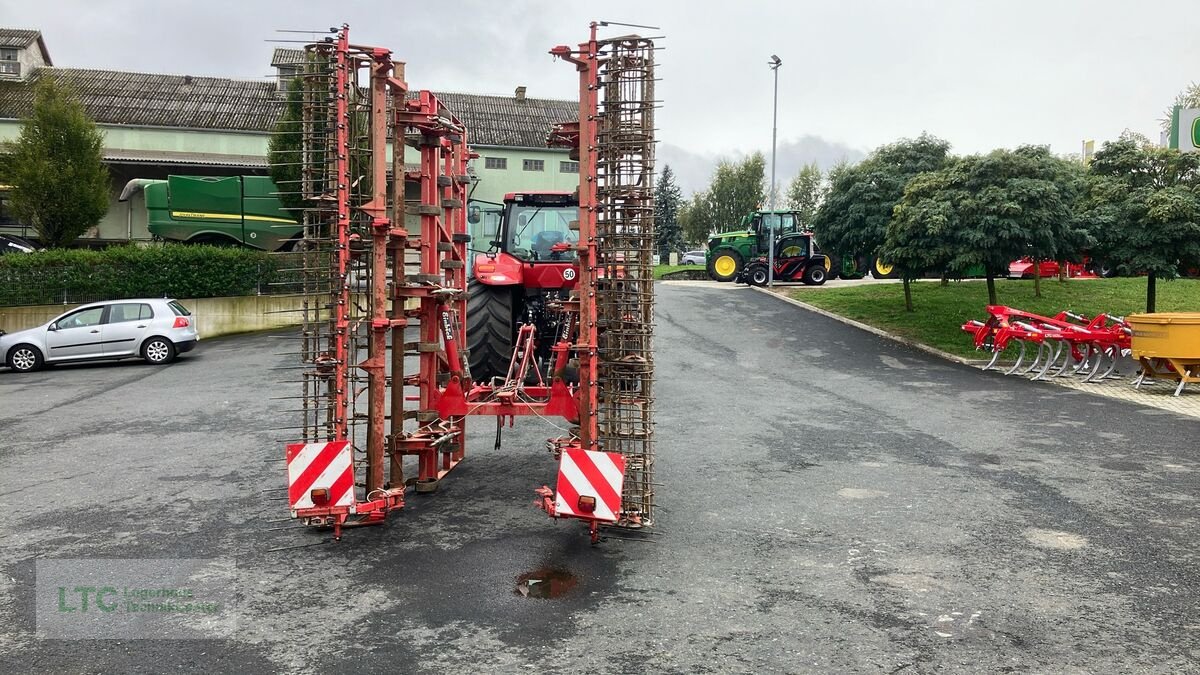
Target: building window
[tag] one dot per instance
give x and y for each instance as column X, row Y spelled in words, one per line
column 495, row 162
column 8, row 62
column 568, row 167
column 534, row 165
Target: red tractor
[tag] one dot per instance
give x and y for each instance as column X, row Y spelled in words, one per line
column 530, row 265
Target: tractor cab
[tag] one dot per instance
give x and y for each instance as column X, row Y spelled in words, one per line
column 531, row 243
column 763, row 223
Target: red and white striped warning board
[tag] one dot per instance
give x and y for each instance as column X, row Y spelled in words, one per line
column 589, row 485
column 320, row 466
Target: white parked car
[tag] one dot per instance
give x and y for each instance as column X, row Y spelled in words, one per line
column 154, row 329
column 693, row 258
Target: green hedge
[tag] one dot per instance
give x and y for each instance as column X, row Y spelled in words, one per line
column 174, row 270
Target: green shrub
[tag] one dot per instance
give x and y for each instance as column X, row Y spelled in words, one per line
column 172, row 270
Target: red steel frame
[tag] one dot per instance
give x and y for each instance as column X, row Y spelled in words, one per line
column 445, row 393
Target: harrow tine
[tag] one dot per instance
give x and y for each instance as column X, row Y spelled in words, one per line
column 1111, row 353
column 995, row 357
column 1087, row 356
column 1036, row 359
column 1068, row 361
column 1020, row 357
column 1058, row 348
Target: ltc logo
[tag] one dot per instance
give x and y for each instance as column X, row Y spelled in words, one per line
column 64, row 605
column 569, row 274
column 1196, row 133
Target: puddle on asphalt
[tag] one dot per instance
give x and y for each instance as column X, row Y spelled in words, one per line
column 546, row 583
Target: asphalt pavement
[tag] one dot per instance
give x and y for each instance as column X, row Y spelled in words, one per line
column 830, row 501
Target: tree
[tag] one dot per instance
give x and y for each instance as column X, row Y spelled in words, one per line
column 667, row 202
column 920, row 236
column 805, row 192
column 60, row 183
column 696, row 219
column 1143, row 204
column 1188, row 98
column 986, row 210
column 285, row 150
column 736, row 190
column 854, row 216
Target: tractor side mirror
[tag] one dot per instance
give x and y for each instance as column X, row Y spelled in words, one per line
column 473, row 215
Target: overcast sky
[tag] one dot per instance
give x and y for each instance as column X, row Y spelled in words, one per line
column 855, row 74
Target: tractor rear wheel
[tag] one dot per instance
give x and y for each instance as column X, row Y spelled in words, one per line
column 883, row 270
column 724, row 265
column 490, row 329
column 815, row 275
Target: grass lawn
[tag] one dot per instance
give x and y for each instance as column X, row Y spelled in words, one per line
column 660, row 270
column 941, row 310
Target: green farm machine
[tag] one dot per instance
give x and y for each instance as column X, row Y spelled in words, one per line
column 730, row 252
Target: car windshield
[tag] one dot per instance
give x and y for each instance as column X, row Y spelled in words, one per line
column 534, row 230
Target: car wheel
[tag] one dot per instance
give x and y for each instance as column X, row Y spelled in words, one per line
column 24, row 358
column 158, row 351
column 815, row 275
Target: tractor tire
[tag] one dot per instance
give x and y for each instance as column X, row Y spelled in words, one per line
column 490, row 329
column 757, row 274
column 882, row 270
column 815, row 275
column 724, row 265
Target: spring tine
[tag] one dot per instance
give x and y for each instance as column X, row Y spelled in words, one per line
column 1020, row 357
column 995, row 357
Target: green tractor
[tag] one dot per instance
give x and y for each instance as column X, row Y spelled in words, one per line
column 729, row 252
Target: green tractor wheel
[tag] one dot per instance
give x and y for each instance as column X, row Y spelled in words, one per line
column 724, row 265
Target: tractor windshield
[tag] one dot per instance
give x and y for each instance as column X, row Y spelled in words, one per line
column 542, row 233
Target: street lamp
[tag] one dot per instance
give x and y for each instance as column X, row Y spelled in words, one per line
column 775, row 62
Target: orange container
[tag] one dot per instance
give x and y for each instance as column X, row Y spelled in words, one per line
column 1165, row 335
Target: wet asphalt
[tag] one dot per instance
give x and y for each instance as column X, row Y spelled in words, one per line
column 830, row 502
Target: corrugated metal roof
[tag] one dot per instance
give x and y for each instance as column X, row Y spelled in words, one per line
column 17, row 37
column 189, row 158
column 119, row 97
column 283, row 56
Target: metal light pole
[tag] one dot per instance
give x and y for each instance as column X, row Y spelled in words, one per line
column 775, row 62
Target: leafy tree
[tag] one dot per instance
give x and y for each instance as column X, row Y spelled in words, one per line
column 736, row 190
column 805, row 192
column 921, row 235
column 854, row 216
column 667, row 202
column 1013, row 203
column 285, row 150
column 1188, row 98
column 1143, row 205
column 696, row 219
column 60, row 183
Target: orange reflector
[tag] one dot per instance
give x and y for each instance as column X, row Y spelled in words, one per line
column 485, row 268
column 587, row 504
column 320, row 497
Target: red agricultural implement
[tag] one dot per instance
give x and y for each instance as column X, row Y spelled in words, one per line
column 385, row 374
column 1066, row 343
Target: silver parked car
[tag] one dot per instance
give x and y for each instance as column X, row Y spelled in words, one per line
column 154, row 329
column 693, row 258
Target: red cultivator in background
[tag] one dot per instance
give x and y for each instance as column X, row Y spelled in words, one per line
column 1067, row 343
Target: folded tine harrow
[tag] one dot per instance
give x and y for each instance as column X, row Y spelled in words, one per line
column 1066, row 343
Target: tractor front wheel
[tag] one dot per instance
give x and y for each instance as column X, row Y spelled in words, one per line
column 757, row 274
column 724, row 265
column 883, row 270
column 490, row 330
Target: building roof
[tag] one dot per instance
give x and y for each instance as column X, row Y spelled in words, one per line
column 20, row 38
column 216, row 103
column 282, row 56
column 118, row 97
